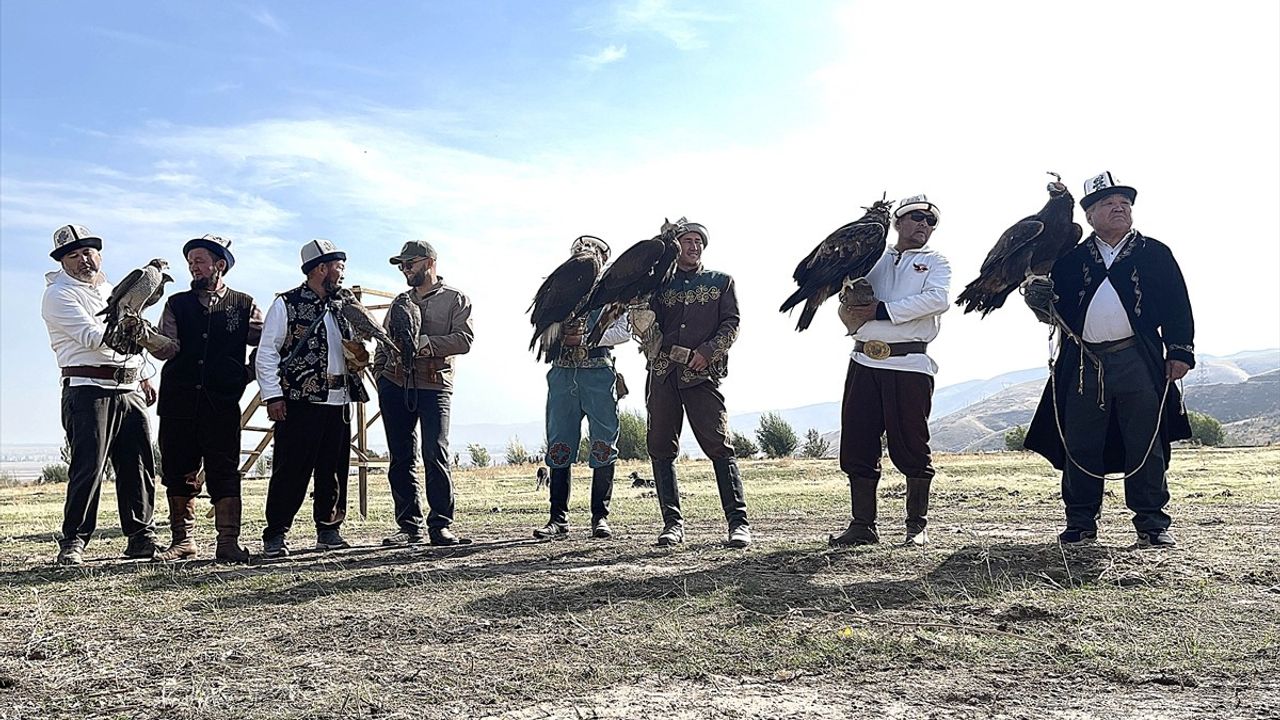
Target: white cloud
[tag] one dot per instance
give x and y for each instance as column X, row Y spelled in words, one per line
column 610, row 54
column 263, row 17
column 663, row 18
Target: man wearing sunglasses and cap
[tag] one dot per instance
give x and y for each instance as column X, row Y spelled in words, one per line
column 421, row 397
column 889, row 386
column 103, row 402
column 203, row 337
column 581, row 383
column 1129, row 336
column 306, row 384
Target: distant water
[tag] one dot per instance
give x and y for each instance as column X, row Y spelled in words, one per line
column 24, row 471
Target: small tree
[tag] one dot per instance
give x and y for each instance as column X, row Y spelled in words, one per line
column 815, row 446
column 1014, row 438
column 479, row 455
column 743, row 446
column 584, row 449
column 54, row 473
column 1205, row 429
column 776, row 437
column 262, row 468
column 516, row 454
column 108, row 470
column 633, row 440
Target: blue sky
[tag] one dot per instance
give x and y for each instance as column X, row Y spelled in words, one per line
column 500, row 131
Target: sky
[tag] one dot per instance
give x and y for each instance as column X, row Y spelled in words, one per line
column 500, row 131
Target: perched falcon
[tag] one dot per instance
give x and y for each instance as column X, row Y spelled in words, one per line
column 848, row 253
column 139, row 290
column 560, row 298
column 363, row 323
column 404, row 324
column 1029, row 248
column 633, row 277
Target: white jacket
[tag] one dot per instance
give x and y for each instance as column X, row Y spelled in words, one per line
column 914, row 287
column 70, row 311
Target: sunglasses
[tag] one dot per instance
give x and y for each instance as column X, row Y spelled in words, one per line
column 917, row 216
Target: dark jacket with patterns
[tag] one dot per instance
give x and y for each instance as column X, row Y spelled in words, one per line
column 304, row 358
column 1149, row 282
column 698, row 309
column 211, row 359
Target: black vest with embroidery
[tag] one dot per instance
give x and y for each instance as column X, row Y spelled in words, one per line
column 304, row 359
column 211, row 361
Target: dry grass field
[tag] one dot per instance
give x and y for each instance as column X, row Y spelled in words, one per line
column 992, row 620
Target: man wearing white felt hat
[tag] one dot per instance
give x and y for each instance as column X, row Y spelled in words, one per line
column 1111, row 405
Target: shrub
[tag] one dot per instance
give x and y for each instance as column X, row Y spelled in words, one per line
column 633, row 431
column 1205, row 429
column 479, row 456
column 776, row 437
column 516, row 454
column 1014, row 438
column 54, row 473
column 815, row 446
column 743, row 446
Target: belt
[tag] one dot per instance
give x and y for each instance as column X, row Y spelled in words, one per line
column 579, row 353
column 679, row 354
column 1111, row 346
column 122, row 375
column 879, row 349
column 335, row 382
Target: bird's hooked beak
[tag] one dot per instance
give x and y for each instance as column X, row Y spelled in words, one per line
column 1056, row 187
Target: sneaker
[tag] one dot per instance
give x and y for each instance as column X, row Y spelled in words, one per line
column 854, row 536
column 275, row 547
column 552, row 531
column 445, row 537
column 1155, row 539
column 672, row 534
column 1075, row 537
column 71, row 553
column 404, row 537
column 600, row 529
column 740, row 536
column 330, row 540
column 141, row 546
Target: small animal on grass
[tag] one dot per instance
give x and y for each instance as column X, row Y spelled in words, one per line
column 638, row 481
column 543, row 480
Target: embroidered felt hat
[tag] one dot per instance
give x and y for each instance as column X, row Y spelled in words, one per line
column 1100, row 186
column 684, row 226
column 73, row 237
column 590, row 241
column 220, row 247
column 414, row 250
column 320, row 251
column 917, row 202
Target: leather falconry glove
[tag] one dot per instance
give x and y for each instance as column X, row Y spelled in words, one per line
column 1038, row 293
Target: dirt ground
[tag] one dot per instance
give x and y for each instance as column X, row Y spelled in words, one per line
column 992, row 620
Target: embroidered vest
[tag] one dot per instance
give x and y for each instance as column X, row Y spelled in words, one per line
column 304, row 358
column 211, row 362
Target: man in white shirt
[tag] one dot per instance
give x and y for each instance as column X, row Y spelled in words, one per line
column 103, row 402
column 1128, row 336
column 306, row 384
column 889, row 386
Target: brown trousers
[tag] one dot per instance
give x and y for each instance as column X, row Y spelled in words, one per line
column 895, row 403
column 668, row 403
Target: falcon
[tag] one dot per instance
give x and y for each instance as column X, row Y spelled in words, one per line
column 1027, row 249
column 634, row 276
column 404, row 324
column 363, row 323
column 561, row 297
column 139, row 290
column 847, row 254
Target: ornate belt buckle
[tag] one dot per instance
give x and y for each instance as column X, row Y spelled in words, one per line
column 577, row 354
column 680, row 354
column 124, row 375
column 876, row 349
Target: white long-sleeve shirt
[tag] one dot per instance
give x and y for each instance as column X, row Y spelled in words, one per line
column 70, row 310
column 914, row 287
column 275, row 328
column 618, row 333
column 1105, row 320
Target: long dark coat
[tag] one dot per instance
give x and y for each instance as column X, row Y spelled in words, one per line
column 1149, row 283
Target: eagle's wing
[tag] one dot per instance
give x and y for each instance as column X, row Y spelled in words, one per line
column 121, row 290
column 632, row 274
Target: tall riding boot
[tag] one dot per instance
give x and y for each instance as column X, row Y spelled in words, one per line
column 558, row 525
column 664, row 481
column 732, row 501
column 917, row 511
column 226, row 517
column 182, row 522
column 862, row 527
column 601, row 494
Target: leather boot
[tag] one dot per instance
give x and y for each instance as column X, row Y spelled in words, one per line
column 226, row 514
column 668, row 489
column 862, row 501
column 917, row 511
column 732, row 500
column 560, row 487
column 182, row 522
column 601, row 494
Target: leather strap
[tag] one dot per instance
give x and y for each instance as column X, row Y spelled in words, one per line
column 122, row 375
column 895, row 349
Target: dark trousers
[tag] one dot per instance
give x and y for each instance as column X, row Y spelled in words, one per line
column 312, row 439
column 107, row 425
column 1133, row 403
column 668, row 403
column 210, row 439
column 894, row 403
column 431, row 416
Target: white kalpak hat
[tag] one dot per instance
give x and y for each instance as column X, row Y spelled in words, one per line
column 320, row 251
column 1100, row 186
column 917, row 202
